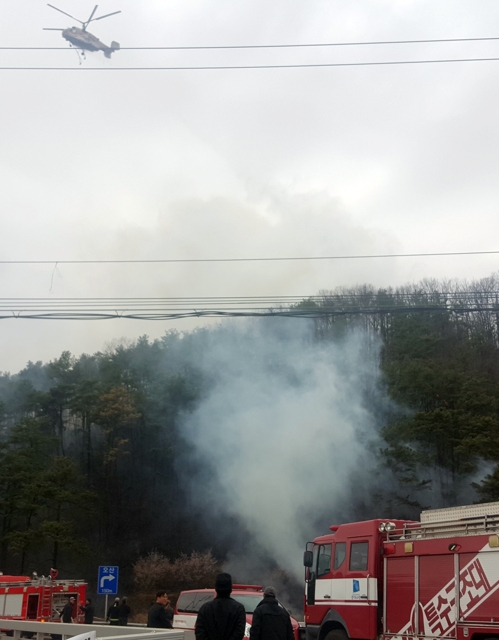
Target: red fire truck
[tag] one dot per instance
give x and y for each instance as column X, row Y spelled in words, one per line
column 39, row 598
column 406, row 580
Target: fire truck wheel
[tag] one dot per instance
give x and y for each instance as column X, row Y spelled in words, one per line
column 336, row 634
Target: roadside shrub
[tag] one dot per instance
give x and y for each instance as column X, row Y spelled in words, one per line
column 155, row 571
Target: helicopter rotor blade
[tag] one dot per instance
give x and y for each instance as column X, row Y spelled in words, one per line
column 51, row 29
column 106, row 16
column 92, row 15
column 66, row 14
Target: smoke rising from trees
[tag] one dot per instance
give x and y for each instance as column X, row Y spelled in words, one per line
column 285, row 430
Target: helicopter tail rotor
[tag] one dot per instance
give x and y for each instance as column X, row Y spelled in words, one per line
column 115, row 46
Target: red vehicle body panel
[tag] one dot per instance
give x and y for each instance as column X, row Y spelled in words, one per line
column 400, row 591
column 448, row 588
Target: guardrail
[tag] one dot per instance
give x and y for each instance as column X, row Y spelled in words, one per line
column 62, row 631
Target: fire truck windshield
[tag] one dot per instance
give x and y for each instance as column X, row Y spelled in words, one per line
column 322, row 559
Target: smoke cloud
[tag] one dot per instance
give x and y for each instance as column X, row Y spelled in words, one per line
column 285, row 431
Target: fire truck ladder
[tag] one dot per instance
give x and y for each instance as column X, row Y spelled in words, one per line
column 46, row 610
column 475, row 519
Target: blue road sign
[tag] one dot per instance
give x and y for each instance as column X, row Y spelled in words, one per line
column 107, row 581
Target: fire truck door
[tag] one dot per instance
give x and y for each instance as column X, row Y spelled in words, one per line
column 32, row 610
column 317, row 582
column 331, row 583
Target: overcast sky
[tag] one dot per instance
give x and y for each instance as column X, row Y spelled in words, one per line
column 240, row 163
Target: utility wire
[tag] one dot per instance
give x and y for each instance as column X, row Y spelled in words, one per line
column 271, row 259
column 330, row 305
column 270, row 46
column 253, row 66
column 328, row 299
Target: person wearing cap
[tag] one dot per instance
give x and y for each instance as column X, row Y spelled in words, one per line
column 67, row 612
column 112, row 613
column 124, row 612
column 223, row 618
column 160, row 615
column 271, row 621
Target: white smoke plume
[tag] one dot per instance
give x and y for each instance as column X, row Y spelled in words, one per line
column 285, row 430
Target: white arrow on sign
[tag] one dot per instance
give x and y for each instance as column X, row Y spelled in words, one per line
column 104, row 578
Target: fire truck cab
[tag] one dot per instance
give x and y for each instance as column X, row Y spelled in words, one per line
column 405, row 580
column 344, row 582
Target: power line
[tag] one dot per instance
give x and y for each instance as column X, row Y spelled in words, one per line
column 253, row 66
column 268, row 259
column 371, row 303
column 270, row 46
column 328, row 298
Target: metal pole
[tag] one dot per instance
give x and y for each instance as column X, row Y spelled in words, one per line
column 105, row 608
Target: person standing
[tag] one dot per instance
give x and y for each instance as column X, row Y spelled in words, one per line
column 271, row 621
column 124, row 612
column 112, row 613
column 223, row 618
column 160, row 615
column 67, row 612
column 88, row 610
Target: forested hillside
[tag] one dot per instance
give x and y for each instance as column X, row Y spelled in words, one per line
column 108, row 457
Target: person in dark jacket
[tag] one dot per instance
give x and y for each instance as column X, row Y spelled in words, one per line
column 67, row 612
column 124, row 612
column 271, row 621
column 88, row 610
column 222, row 618
column 112, row 613
column 161, row 613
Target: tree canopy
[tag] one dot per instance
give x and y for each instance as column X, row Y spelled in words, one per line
column 92, row 448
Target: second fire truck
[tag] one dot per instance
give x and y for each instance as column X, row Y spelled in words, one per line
column 39, row 598
column 405, row 580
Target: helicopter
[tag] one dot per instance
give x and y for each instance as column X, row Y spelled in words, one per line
column 81, row 38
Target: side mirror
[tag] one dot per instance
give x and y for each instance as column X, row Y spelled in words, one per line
column 308, row 559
